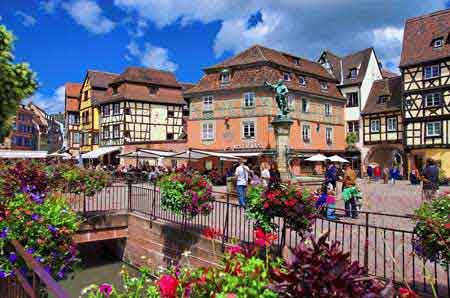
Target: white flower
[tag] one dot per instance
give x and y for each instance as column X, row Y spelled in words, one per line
column 186, row 254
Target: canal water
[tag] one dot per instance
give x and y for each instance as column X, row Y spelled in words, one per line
column 101, row 263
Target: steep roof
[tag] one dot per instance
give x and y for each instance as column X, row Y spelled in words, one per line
column 388, row 74
column 72, row 97
column 73, row 89
column 260, row 54
column 391, row 87
column 146, row 75
column 186, row 86
column 100, row 79
column 419, row 35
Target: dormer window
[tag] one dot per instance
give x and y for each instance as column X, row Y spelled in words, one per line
column 302, row 80
column 438, row 42
column 225, row 76
column 114, row 90
column 286, row 76
column 382, row 99
column 152, row 90
column 323, row 86
column 296, row 61
column 353, row 73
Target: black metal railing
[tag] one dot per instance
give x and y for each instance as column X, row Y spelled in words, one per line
column 373, row 240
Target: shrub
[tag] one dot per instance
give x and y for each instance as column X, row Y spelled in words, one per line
column 186, row 193
column 324, row 270
column 433, row 230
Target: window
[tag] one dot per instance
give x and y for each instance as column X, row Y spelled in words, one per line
column 432, row 71
column 433, row 129
column 248, row 129
column 327, row 109
column 208, row 131
column 85, row 116
column 170, row 136
column 382, row 99
column 208, row 102
column 375, row 125
column 353, row 127
column 391, row 124
column 170, row 114
column 114, row 90
column 116, row 131
column 86, row 93
column 353, row 73
column 225, row 77
column 85, row 139
column 302, row 80
column 305, row 105
column 105, row 111
column 296, row 61
column 127, row 111
column 352, row 99
column 76, row 138
column 433, row 100
column 329, row 135
column 153, row 90
column 286, row 76
column 106, row 132
column 95, row 138
column 249, row 99
column 74, row 119
column 291, row 102
column 408, row 103
column 116, row 108
column 438, row 42
column 306, row 133
column 323, row 86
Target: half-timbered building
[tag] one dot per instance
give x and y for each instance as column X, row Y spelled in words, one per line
column 143, row 108
column 72, row 117
column 382, row 124
column 92, row 91
column 231, row 110
column 425, row 67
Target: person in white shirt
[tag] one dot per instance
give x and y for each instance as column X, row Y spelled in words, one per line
column 242, row 174
column 265, row 175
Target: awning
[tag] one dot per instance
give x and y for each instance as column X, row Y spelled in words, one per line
column 10, row 154
column 199, row 154
column 247, row 154
column 317, row 157
column 64, row 155
column 100, row 152
column 147, row 154
column 337, row 158
column 159, row 153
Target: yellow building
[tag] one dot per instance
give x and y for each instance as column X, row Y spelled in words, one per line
column 92, row 91
column 426, row 89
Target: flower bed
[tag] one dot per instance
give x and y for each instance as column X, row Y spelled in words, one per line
column 433, row 230
column 186, row 193
column 285, row 200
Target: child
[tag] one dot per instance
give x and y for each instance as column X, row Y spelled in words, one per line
column 331, row 204
column 322, row 199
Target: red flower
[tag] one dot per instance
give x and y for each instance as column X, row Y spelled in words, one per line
column 168, row 286
column 264, row 239
column 266, row 205
column 447, row 225
column 406, row 293
column 234, row 250
column 211, row 233
column 237, row 269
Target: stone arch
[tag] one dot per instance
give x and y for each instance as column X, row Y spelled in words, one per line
column 387, row 156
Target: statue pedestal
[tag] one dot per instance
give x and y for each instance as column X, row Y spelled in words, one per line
column 282, row 128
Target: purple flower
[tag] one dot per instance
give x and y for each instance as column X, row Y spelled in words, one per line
column 12, row 257
column 30, row 250
column 3, row 275
column 52, row 229
column 48, row 269
column 35, row 217
column 4, row 232
column 106, row 289
column 37, row 198
column 39, row 259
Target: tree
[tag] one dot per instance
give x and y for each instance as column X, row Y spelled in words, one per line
column 351, row 139
column 17, row 82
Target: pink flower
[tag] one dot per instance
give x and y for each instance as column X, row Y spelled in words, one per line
column 234, row 250
column 264, row 239
column 168, row 286
column 447, row 226
column 106, row 289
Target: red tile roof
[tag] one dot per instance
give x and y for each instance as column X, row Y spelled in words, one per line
column 73, row 89
column 72, row 97
column 388, row 74
column 100, row 79
column 147, row 76
column 259, row 54
column 391, row 87
column 418, row 37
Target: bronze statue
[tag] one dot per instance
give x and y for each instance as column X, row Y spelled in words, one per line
column 281, row 90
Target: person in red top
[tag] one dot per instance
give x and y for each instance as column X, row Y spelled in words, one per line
column 377, row 173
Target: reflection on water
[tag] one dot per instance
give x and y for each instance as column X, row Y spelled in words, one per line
column 101, row 263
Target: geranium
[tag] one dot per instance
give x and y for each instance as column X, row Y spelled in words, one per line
column 264, row 239
column 406, row 293
column 211, row 233
column 106, row 289
column 168, row 286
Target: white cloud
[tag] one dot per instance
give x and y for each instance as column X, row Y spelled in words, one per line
column 51, row 104
column 27, row 20
column 88, row 14
column 151, row 56
column 305, row 27
column 49, row 6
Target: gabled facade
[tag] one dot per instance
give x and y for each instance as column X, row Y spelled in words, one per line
column 142, row 106
column 72, row 117
column 93, row 90
column 231, row 110
column 425, row 67
column 355, row 74
column 24, row 135
column 383, row 125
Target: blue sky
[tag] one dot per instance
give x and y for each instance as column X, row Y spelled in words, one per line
column 61, row 39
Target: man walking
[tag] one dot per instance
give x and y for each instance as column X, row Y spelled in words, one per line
column 331, row 175
column 242, row 174
column 349, row 192
column 430, row 178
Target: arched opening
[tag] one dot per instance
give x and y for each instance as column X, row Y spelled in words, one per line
column 387, row 157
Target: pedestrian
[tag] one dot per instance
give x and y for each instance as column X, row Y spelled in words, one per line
column 414, row 176
column 369, row 172
column 265, row 175
column 331, row 204
column 242, row 174
column 377, row 173
column 331, row 175
column 430, row 179
column 275, row 176
column 386, row 175
column 349, row 186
